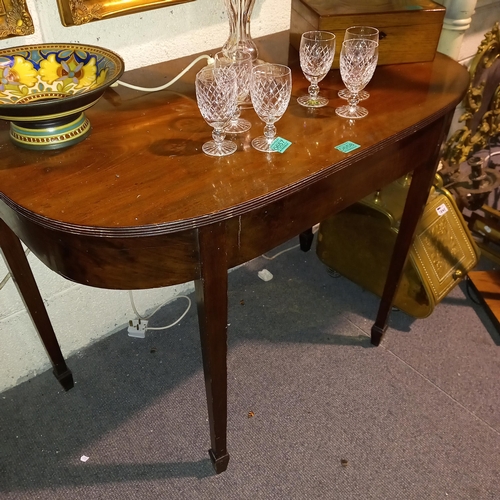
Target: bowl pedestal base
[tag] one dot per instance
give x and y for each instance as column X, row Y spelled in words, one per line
column 50, row 134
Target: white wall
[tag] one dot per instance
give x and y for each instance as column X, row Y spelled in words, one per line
column 82, row 315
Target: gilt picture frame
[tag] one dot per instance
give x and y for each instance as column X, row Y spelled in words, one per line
column 77, row 12
column 15, row 19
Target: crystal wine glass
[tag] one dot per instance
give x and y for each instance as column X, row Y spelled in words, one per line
column 270, row 90
column 317, row 50
column 241, row 62
column 216, row 98
column 358, row 60
column 366, row 33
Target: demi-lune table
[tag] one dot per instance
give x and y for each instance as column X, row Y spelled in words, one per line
column 138, row 205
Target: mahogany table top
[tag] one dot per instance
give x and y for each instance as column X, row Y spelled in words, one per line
column 142, row 171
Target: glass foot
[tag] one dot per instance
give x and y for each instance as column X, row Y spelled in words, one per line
column 262, row 144
column 351, row 112
column 239, row 126
column 223, row 149
column 312, row 102
column 345, row 94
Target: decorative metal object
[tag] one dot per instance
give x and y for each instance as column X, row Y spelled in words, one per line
column 481, row 103
column 471, row 183
column 75, row 12
column 239, row 13
column 15, row 19
column 358, row 243
column 45, row 89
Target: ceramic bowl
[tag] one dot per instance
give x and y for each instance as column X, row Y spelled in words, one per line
column 45, row 89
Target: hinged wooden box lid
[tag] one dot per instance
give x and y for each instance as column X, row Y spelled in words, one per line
column 409, row 29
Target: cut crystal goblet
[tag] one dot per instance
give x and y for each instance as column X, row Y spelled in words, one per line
column 241, row 62
column 358, row 60
column 216, row 98
column 316, row 53
column 270, row 90
column 366, row 33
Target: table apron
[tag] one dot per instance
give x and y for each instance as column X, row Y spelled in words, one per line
column 173, row 258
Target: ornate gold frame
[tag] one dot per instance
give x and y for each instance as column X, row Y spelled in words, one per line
column 75, row 12
column 15, row 20
column 481, row 103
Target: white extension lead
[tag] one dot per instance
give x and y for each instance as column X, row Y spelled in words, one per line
column 209, row 59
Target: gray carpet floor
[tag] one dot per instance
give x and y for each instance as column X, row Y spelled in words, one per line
column 333, row 417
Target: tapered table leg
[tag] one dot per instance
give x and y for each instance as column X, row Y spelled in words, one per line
column 20, row 271
column 211, row 296
column 305, row 239
column 418, row 193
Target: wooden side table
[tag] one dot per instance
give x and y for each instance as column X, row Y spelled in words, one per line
column 138, row 205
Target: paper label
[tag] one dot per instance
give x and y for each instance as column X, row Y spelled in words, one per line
column 347, row 147
column 279, row 144
column 442, row 209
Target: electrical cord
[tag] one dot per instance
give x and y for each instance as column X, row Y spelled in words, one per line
column 163, row 87
column 315, row 230
column 140, row 316
column 146, row 318
column 177, row 320
column 279, row 253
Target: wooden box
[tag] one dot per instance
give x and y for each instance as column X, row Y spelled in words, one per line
column 409, row 29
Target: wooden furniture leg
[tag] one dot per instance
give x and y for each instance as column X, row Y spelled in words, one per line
column 305, row 239
column 486, row 285
column 19, row 268
column 418, row 194
column 211, row 297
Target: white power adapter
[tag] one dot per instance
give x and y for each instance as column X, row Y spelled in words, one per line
column 265, row 275
column 137, row 328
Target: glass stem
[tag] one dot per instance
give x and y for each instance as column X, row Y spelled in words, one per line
column 353, row 99
column 218, row 136
column 236, row 115
column 269, row 132
column 313, row 90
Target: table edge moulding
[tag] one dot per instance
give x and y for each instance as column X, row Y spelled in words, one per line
column 138, row 205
